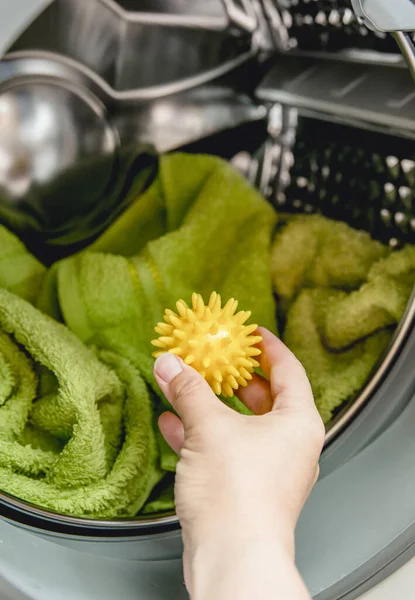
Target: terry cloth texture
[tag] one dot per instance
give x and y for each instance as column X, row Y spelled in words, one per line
column 341, row 295
column 76, row 427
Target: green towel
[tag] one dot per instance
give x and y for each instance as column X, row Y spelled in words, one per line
column 342, row 294
column 200, row 227
column 76, row 426
column 20, row 272
column 313, row 251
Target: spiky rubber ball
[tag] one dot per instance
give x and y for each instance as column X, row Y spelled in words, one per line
column 213, row 340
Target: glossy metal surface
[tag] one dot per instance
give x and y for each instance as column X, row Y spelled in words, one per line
column 133, row 49
column 365, row 95
column 46, row 127
column 407, row 47
column 332, row 28
column 384, row 15
column 397, row 17
column 102, row 69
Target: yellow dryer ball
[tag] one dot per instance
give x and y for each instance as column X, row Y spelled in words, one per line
column 213, row 340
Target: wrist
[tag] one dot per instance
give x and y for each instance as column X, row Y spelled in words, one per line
column 226, row 524
column 241, row 559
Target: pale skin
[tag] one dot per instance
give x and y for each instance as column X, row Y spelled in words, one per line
column 242, row 481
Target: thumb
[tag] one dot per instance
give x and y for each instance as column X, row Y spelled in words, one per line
column 186, row 390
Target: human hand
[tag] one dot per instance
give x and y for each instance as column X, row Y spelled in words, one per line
column 241, row 478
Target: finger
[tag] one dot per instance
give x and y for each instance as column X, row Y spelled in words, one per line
column 257, row 395
column 172, row 430
column 289, row 382
column 185, row 389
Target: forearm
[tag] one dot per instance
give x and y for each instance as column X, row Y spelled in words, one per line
column 260, row 567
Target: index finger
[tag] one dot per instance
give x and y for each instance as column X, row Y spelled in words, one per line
column 288, row 379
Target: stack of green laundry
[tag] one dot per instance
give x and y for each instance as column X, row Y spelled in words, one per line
column 78, row 401
column 341, row 294
column 79, row 437
column 76, row 428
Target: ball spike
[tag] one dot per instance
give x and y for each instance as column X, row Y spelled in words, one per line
column 227, row 390
column 242, row 317
column 250, row 329
column 232, row 381
column 181, row 307
column 177, row 351
column 212, row 299
column 200, row 304
column 175, row 321
column 238, row 353
column 164, row 328
column 222, row 361
column 191, row 316
column 166, row 341
column 216, row 386
column 245, row 362
column 252, row 351
column 245, row 374
column 230, row 307
column 231, row 370
column 157, row 343
column 254, row 339
column 217, row 375
column 215, row 304
column 179, row 334
column 207, row 314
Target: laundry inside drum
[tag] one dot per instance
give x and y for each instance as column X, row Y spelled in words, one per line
column 365, row 180
column 331, row 189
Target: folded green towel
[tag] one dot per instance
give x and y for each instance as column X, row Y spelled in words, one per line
column 315, row 251
column 20, row 272
column 342, row 294
column 335, row 376
column 377, row 304
column 200, row 227
column 76, row 426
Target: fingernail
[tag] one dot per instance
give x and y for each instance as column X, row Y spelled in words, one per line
column 167, row 367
